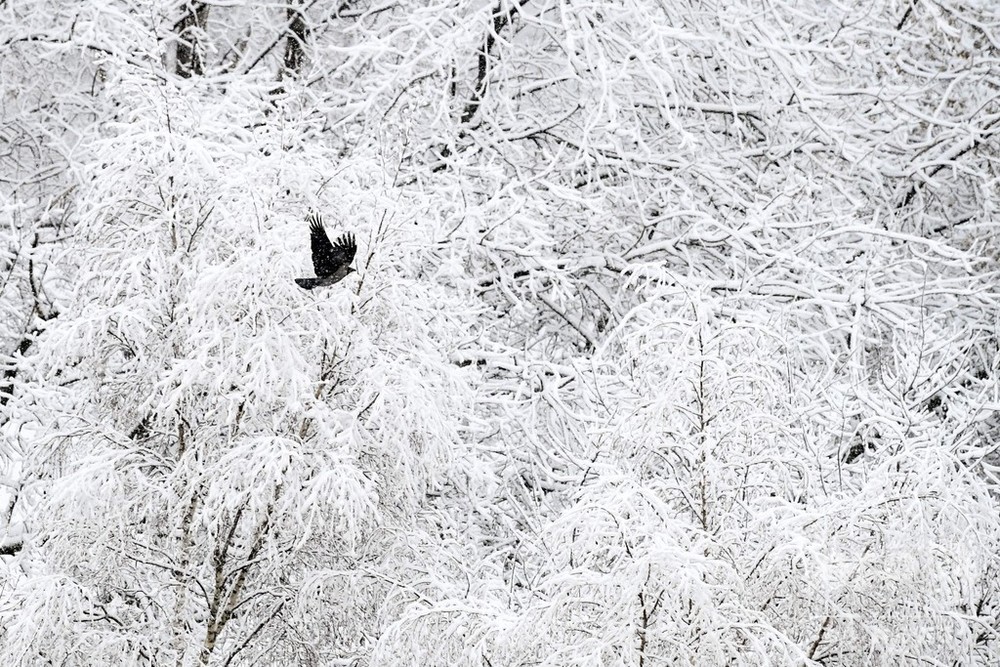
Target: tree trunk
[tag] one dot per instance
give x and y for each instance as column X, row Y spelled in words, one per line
column 188, row 29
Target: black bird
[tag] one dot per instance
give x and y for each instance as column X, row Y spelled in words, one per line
column 331, row 261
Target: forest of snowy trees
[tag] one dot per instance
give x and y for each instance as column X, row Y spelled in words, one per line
column 674, row 338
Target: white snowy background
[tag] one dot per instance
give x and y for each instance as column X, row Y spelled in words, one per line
column 675, row 336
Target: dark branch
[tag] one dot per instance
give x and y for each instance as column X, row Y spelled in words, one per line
column 501, row 19
column 298, row 33
column 11, row 548
column 283, row 33
column 985, row 134
column 10, row 373
column 189, row 61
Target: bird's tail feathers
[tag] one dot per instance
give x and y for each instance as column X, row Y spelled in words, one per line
column 307, row 283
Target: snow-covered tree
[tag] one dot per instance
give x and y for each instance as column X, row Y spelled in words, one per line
column 673, row 338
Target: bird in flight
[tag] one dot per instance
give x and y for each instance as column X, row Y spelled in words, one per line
column 331, row 261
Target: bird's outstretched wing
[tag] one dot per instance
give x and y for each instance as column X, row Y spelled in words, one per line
column 328, row 258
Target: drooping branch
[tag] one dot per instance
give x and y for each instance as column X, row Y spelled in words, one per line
column 71, row 39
